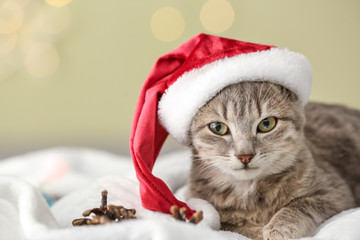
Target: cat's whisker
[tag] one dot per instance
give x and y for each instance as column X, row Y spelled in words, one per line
column 266, row 93
column 210, row 157
column 203, row 167
column 209, row 170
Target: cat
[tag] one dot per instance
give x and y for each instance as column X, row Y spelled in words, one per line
column 273, row 168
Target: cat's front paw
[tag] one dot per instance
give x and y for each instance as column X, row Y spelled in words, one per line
column 278, row 233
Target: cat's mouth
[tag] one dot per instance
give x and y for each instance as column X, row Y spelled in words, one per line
column 246, row 168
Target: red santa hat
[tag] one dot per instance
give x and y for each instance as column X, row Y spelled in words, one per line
column 183, row 80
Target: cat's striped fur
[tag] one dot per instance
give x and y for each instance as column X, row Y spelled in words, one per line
column 303, row 171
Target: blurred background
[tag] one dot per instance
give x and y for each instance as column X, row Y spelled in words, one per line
column 71, row 71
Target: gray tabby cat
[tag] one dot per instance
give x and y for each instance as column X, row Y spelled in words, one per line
column 272, row 168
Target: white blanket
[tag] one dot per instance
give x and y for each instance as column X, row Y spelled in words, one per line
column 76, row 178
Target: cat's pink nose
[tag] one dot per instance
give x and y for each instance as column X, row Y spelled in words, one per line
column 245, row 159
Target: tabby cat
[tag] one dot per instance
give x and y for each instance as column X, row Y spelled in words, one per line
column 273, row 168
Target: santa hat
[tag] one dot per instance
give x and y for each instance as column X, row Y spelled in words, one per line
column 183, row 80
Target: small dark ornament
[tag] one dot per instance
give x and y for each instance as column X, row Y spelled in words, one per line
column 105, row 213
column 111, row 213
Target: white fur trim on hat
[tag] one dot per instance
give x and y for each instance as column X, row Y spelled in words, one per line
column 182, row 100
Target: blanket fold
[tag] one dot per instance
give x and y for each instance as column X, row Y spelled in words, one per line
column 25, row 215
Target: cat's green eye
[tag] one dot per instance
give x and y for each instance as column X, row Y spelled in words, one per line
column 267, row 124
column 219, row 128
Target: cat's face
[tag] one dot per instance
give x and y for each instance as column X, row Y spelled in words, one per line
column 248, row 131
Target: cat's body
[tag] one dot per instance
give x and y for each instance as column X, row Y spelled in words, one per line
column 281, row 183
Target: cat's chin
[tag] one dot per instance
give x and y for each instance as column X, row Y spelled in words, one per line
column 248, row 173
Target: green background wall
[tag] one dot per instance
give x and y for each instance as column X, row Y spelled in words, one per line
column 105, row 50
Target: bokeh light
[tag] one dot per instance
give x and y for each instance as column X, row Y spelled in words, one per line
column 217, row 16
column 57, row 3
column 167, row 24
column 41, row 60
column 7, row 42
column 53, row 20
column 28, row 30
column 11, row 16
column 22, row 3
